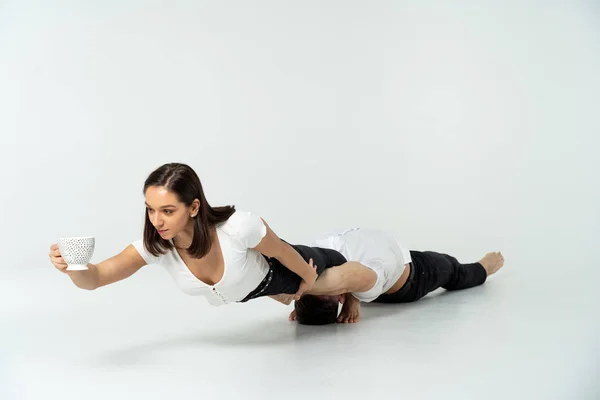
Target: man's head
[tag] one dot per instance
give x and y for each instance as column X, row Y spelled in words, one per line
column 317, row 310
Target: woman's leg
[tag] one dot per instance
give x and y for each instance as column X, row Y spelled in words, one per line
column 282, row 280
column 288, row 282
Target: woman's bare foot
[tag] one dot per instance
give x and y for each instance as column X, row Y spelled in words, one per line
column 492, row 262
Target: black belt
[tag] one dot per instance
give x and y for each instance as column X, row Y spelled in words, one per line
column 262, row 286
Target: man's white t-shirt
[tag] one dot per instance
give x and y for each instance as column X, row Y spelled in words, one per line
column 375, row 249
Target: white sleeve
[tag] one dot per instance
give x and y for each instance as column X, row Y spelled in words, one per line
column 149, row 258
column 377, row 289
column 248, row 228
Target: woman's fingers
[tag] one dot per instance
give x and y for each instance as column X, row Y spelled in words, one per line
column 56, row 258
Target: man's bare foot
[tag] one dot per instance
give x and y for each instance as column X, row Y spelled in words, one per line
column 492, row 262
column 350, row 310
column 292, row 316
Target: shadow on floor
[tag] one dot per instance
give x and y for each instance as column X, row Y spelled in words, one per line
column 277, row 331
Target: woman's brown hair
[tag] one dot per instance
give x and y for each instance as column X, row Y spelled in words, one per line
column 182, row 180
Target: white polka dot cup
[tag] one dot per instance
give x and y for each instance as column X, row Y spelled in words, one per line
column 77, row 251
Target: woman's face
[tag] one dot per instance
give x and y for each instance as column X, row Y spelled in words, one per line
column 168, row 215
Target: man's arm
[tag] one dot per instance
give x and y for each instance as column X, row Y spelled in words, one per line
column 346, row 278
column 283, row 298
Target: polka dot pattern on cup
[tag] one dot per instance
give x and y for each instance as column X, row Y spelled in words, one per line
column 77, row 250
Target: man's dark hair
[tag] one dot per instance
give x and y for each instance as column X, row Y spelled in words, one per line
column 313, row 310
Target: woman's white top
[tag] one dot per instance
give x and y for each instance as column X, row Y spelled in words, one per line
column 377, row 250
column 244, row 270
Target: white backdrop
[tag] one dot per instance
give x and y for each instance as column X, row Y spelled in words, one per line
column 462, row 129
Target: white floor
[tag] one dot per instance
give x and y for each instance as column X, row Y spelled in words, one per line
column 522, row 335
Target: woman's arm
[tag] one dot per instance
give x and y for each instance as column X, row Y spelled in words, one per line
column 346, row 278
column 272, row 246
column 108, row 271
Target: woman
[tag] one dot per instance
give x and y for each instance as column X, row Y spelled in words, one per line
column 222, row 253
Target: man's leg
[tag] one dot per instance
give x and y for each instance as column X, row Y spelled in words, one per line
column 453, row 275
column 432, row 270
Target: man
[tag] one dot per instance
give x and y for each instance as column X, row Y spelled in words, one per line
column 381, row 270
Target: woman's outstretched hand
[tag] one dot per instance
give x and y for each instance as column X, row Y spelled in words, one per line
column 307, row 283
